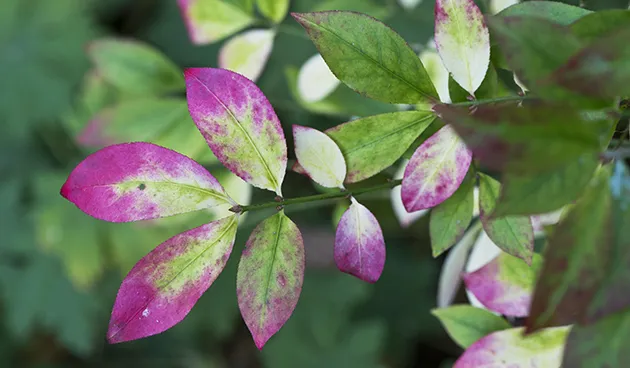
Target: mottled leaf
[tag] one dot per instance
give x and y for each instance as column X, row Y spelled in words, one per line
column 270, row 275
column 274, row 10
column 239, row 124
column 209, row 21
column 509, row 348
column 435, row 170
column 247, row 52
column 140, row 181
column 162, row 287
column 466, row 324
column 404, row 218
column 482, row 253
column 513, row 234
column 359, row 244
column 135, row 67
column 315, row 80
column 319, row 156
column 554, row 11
column 374, row 143
column 463, row 41
column 368, row 56
column 598, row 24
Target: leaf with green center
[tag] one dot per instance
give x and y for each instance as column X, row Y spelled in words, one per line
column 527, row 140
column 247, row 53
column 270, row 275
column 239, row 124
column 209, row 21
column 505, row 285
column 545, row 192
column 368, row 56
column 162, row 287
column 509, row 348
column 140, row 181
column 466, row 324
column 274, row 10
column 463, row 41
column 374, row 143
column 435, row 170
column 599, row 24
column 315, row 80
column 554, row 11
column 450, row 219
column 135, row 67
column 319, row 157
column 513, row 234
column 576, row 259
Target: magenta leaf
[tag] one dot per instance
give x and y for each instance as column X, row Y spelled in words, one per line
column 162, row 287
column 239, row 124
column 359, row 244
column 140, row 181
column 270, row 275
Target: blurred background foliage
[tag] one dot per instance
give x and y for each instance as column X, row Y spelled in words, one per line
column 60, row 269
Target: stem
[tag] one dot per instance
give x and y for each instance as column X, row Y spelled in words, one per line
column 489, row 101
column 317, row 197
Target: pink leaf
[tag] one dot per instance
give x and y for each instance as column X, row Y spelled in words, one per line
column 162, row 287
column 359, row 244
column 239, row 124
column 140, row 181
column 435, row 170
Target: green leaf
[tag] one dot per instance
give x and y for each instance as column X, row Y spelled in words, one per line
column 368, row 56
column 551, row 10
column 274, row 10
column 369, row 7
column 514, row 235
column 450, row 219
column 372, row 144
column 599, row 24
column 210, row 21
column 135, row 67
column 466, row 324
column 545, row 192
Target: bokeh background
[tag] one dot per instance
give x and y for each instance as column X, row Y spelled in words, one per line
column 60, row 269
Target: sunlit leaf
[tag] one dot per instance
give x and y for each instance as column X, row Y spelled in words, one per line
column 498, row 5
column 239, row 124
column 315, row 80
column 554, row 11
column 140, row 181
column 319, row 156
column 435, row 170
column 247, row 52
column 368, row 56
column 436, row 70
column 209, row 21
column 270, row 275
column 466, row 324
column 274, row 10
column 162, row 287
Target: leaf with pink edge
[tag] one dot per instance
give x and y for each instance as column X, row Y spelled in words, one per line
column 239, row 124
column 463, row 41
column 162, row 287
column 359, row 244
column 319, row 156
column 509, row 348
column 466, row 324
column 435, row 170
column 140, row 181
column 505, row 285
column 270, row 275
column 247, row 53
column 209, row 21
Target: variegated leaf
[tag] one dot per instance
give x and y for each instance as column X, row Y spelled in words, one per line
column 247, row 53
column 209, row 21
column 404, row 218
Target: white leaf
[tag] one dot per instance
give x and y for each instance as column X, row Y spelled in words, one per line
column 315, row 80
column 319, row 156
column 247, row 53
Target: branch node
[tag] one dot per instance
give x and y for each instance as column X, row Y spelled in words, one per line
column 236, row 209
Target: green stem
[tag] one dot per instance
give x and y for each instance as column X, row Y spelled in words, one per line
column 489, row 101
column 317, row 197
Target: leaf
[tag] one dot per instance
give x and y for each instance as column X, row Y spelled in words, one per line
column 576, row 259
column 315, row 80
column 513, row 234
column 466, row 324
column 270, row 275
column 374, row 143
column 404, row 218
column 368, row 56
column 247, row 53
column 545, row 192
column 409, row 4
column 135, row 67
column 505, row 285
column 463, row 41
column 436, row 70
column 141, row 181
column 483, row 252
column 210, row 21
column 530, row 140
column 554, row 11
column 274, row 10
column 489, row 87
column 239, row 125
column 498, row 5
column 509, row 348
column 372, row 8
column 319, row 156
column 435, row 170
column 600, row 24
column 163, row 287
column 450, row 219
column 359, row 244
